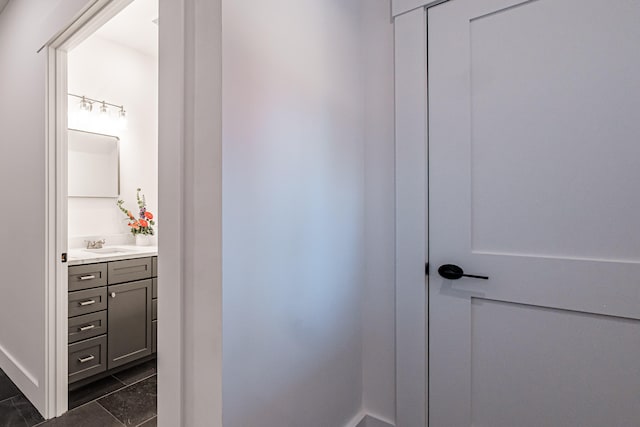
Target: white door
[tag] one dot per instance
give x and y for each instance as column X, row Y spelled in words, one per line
column 534, row 181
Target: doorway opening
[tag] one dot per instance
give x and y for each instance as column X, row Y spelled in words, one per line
column 103, row 104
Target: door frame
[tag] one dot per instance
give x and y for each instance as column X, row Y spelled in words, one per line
column 412, row 211
column 171, row 96
column 94, row 15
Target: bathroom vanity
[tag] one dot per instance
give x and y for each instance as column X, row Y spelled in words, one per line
column 112, row 310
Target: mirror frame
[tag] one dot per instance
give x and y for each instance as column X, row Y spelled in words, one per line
column 118, row 171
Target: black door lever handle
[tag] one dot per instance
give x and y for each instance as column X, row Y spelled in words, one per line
column 453, row 272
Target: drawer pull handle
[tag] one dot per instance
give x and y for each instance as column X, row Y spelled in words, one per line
column 113, row 294
column 89, row 302
column 87, row 328
column 86, row 359
column 91, row 276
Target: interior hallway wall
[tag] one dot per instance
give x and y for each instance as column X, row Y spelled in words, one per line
column 293, row 212
column 308, row 212
column 25, row 26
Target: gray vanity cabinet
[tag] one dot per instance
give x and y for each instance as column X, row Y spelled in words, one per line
column 129, row 322
column 112, row 315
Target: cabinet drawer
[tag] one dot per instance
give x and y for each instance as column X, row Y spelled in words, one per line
column 154, row 310
column 87, row 358
column 154, row 286
column 87, row 276
column 87, row 301
column 87, row 326
column 154, row 266
column 154, row 337
column 129, row 270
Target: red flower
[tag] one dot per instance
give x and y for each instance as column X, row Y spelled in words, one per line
column 148, row 215
column 143, row 223
column 130, row 215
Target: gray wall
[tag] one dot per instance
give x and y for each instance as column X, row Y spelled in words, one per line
column 25, row 26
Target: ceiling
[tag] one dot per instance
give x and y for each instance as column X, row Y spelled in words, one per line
column 134, row 27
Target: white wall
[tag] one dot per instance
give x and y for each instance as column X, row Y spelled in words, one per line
column 404, row 6
column 305, row 143
column 379, row 293
column 25, row 26
column 293, row 212
column 101, row 69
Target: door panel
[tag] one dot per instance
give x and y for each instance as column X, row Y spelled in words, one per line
column 533, row 173
column 548, row 367
column 545, row 104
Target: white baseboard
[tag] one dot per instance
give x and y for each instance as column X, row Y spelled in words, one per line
column 363, row 419
column 372, row 421
column 355, row 421
column 26, row 382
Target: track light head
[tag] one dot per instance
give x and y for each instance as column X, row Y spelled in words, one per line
column 122, row 119
column 86, row 105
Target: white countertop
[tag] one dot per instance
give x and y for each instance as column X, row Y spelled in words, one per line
column 88, row 256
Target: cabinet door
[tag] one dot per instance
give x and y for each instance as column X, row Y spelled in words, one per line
column 129, row 321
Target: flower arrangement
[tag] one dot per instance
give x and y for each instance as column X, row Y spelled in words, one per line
column 144, row 224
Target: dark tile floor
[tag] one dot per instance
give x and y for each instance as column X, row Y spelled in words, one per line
column 127, row 398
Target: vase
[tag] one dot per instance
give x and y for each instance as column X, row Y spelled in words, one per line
column 143, row 240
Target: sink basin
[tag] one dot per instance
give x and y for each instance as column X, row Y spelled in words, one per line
column 107, row 250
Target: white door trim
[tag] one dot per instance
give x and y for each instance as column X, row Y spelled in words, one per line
column 399, row 7
column 411, row 217
column 93, row 16
column 412, row 220
column 56, row 243
column 171, row 148
column 190, row 158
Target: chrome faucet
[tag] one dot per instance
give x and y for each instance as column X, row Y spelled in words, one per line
column 96, row 244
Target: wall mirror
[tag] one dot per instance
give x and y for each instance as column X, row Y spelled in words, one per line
column 94, row 165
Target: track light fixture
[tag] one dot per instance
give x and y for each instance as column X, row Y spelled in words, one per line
column 119, row 117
